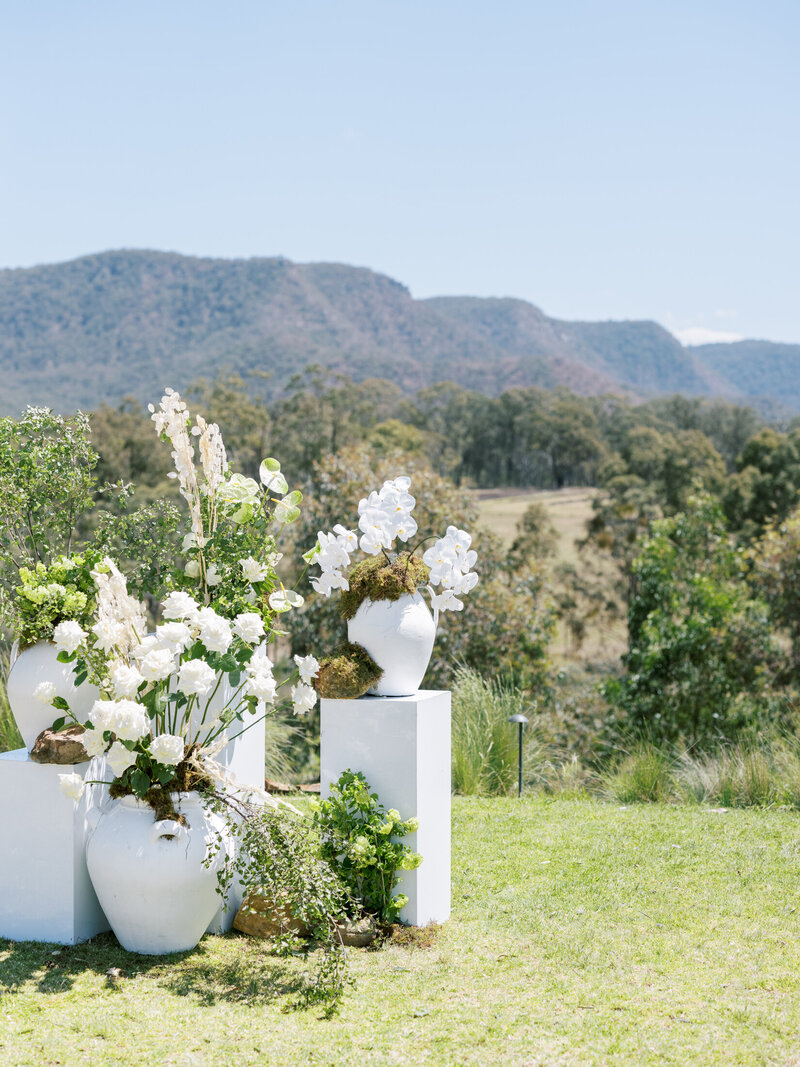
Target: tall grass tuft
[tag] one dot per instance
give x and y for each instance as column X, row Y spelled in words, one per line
column 744, row 775
column 485, row 749
column 644, row 774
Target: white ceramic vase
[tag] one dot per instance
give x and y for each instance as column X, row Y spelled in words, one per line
column 39, row 663
column 150, row 877
column 399, row 635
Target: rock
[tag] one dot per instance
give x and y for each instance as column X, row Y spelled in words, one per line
column 357, row 934
column 261, row 916
column 62, row 747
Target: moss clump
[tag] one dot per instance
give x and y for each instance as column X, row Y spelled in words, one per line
column 161, row 798
column 375, row 579
column 347, row 674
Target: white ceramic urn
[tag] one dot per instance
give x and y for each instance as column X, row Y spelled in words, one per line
column 150, row 876
column 399, row 635
column 39, row 663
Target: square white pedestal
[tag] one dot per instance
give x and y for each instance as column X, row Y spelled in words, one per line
column 402, row 746
column 45, row 891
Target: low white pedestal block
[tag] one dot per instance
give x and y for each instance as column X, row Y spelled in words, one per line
column 45, row 891
column 402, row 747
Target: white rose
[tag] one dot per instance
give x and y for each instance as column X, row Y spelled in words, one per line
column 179, row 605
column 72, row 785
column 129, row 720
column 308, row 668
column 252, row 570
column 304, row 697
column 261, row 685
column 108, row 634
column 249, row 626
column 196, row 677
column 215, row 632
column 192, row 569
column 147, row 644
column 93, row 742
column 101, row 714
column 125, row 680
column 157, row 665
column 120, row 758
column 68, row 636
column 44, row 692
column 176, row 636
column 167, row 749
column 213, row 577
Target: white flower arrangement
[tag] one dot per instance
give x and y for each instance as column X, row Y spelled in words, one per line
column 384, row 517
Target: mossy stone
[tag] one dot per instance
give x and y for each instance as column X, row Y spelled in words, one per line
column 377, row 579
column 347, row 674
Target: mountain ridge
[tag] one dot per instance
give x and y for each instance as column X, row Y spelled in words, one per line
column 128, row 321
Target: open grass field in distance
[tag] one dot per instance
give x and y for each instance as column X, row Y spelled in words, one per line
column 582, row 933
column 568, row 509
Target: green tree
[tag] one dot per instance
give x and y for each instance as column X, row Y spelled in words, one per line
column 700, row 649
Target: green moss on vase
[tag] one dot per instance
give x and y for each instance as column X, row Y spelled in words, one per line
column 347, row 674
column 375, row 579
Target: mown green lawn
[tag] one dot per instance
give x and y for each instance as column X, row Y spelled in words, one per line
column 582, row 933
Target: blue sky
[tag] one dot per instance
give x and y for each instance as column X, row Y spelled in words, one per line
column 603, row 160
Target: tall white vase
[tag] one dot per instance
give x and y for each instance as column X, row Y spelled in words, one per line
column 151, row 878
column 36, row 664
column 399, row 635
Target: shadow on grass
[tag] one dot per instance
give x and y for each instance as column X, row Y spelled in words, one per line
column 229, row 968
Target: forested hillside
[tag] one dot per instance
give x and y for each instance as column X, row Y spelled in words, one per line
column 110, row 325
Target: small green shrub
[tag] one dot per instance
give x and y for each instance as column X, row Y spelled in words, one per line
column 484, row 743
column 359, row 841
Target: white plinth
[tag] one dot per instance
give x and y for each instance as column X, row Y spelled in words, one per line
column 402, row 746
column 45, row 892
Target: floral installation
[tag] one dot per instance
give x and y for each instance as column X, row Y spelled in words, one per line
column 446, row 568
column 169, row 699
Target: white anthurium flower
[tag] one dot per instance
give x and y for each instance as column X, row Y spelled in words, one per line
column 308, row 668
column 176, row 636
column 213, row 577
column 284, row 600
column 196, row 677
column 239, row 490
column 120, row 758
column 167, row 749
column 93, row 742
column 125, row 680
column 192, row 569
column 249, row 626
column 271, row 478
column 304, row 697
column 157, row 665
column 72, row 785
column 69, row 636
column 180, row 605
column 44, row 692
column 252, row 570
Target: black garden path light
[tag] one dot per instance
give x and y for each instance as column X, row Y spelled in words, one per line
column 522, row 721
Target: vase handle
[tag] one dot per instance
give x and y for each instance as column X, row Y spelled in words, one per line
column 167, row 830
